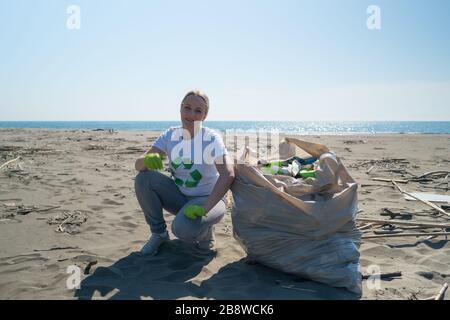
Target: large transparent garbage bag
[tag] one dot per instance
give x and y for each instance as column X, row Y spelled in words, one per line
column 305, row 229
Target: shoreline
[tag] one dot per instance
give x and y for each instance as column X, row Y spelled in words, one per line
column 238, row 133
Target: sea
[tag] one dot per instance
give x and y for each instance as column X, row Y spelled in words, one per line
column 287, row 127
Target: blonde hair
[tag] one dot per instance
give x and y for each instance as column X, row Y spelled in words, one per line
column 200, row 94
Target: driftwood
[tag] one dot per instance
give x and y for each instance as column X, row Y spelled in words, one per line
column 440, row 172
column 388, row 212
column 10, row 161
column 47, row 209
column 444, row 180
column 363, row 185
column 404, row 223
column 56, row 248
column 418, row 234
column 371, row 168
column 367, row 226
column 441, row 293
column 68, row 221
column 432, row 205
column 390, row 180
column 383, row 275
column 60, row 227
column 436, row 187
column 387, row 231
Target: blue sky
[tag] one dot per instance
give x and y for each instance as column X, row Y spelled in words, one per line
column 256, row 59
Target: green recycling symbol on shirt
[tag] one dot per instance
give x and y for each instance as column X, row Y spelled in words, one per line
column 187, row 164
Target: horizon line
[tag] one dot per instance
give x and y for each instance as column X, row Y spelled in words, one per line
column 378, row 120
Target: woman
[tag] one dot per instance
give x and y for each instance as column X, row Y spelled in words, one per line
column 202, row 173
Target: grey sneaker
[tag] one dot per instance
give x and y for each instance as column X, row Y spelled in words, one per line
column 208, row 243
column 153, row 244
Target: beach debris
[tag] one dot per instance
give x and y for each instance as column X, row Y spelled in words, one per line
column 432, row 205
column 366, row 226
column 355, row 141
column 11, row 199
column 423, row 179
column 444, row 180
column 8, row 220
column 387, row 231
column 95, row 147
column 24, row 210
column 9, row 162
column 383, row 276
column 392, row 214
column 430, row 275
column 418, row 234
column 47, row 209
column 27, row 150
column 128, row 150
column 10, row 204
column 428, row 197
column 441, row 294
column 8, row 148
column 427, row 299
column 371, row 168
column 386, row 163
column 390, row 180
column 88, row 267
column 55, row 248
column 405, row 223
column 106, row 130
column 437, row 174
column 68, row 222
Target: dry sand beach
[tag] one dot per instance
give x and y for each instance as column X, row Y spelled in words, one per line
column 69, row 200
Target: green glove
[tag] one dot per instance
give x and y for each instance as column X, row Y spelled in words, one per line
column 153, row 161
column 193, row 212
column 308, row 173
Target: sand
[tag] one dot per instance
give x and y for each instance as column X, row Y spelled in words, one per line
column 84, row 178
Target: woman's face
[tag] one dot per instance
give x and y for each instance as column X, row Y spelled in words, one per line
column 193, row 109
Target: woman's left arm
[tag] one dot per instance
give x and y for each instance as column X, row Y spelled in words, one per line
column 223, row 184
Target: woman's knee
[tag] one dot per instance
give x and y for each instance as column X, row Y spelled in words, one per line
column 217, row 213
column 144, row 179
column 184, row 231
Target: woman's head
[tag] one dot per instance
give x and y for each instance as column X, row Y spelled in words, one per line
column 194, row 107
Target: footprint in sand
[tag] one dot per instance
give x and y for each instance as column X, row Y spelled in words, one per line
column 33, row 257
column 127, row 225
column 74, row 181
column 111, row 202
column 96, row 208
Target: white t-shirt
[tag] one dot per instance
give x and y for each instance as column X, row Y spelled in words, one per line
column 191, row 162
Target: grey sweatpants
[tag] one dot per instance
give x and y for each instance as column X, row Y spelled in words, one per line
column 156, row 191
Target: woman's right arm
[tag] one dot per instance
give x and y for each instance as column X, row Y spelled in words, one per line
column 140, row 166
